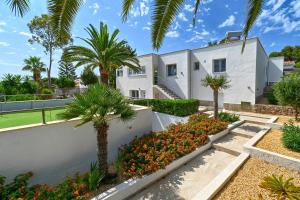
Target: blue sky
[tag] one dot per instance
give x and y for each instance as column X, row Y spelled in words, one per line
column 279, row 25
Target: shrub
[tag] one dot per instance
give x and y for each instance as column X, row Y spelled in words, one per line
column 291, row 136
column 195, row 118
column 271, row 98
column 280, row 188
column 178, row 107
column 228, row 117
column 209, row 126
column 47, row 93
column 297, row 65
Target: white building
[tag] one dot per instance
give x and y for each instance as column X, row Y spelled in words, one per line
column 178, row 74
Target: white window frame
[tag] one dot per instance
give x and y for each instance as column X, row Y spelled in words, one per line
column 141, row 72
column 120, row 72
column 219, row 67
column 173, row 74
column 142, row 94
column 136, row 95
column 198, row 63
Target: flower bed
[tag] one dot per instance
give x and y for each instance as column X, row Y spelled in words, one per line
column 155, row 151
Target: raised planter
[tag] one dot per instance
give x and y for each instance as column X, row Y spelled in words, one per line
column 269, row 156
column 133, row 185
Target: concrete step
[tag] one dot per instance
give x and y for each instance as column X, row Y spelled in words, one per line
column 188, row 180
column 231, row 144
column 248, row 129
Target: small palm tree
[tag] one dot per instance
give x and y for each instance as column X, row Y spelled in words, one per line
column 36, row 66
column 216, row 84
column 104, row 51
column 98, row 104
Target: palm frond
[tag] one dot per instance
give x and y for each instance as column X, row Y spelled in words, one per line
column 62, row 14
column 126, row 7
column 19, row 7
column 164, row 13
column 254, row 9
column 197, row 3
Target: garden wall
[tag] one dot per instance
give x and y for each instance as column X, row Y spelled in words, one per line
column 160, row 121
column 262, row 108
column 58, row 149
column 34, row 104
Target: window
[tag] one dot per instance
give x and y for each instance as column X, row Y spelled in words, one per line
column 172, row 70
column 120, row 72
column 143, row 94
column 219, row 65
column 142, row 71
column 196, row 66
column 134, row 94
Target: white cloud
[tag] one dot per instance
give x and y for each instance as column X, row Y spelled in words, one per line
column 172, row 34
column 189, row 7
column 182, row 17
column 198, row 36
column 4, row 44
column 296, row 8
column 146, row 28
column 95, row 7
column 275, row 4
column 2, row 23
column 200, row 21
column 207, row 1
column 272, row 44
column 228, row 22
column 144, row 8
column 25, row 34
column 226, row 6
column 135, row 11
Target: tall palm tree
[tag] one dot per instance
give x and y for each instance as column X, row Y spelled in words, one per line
column 216, row 84
column 98, row 104
column 36, row 66
column 63, row 13
column 104, row 52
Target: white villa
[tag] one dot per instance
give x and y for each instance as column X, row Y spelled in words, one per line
column 178, row 74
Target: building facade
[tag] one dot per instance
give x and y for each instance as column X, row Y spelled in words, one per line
column 179, row 74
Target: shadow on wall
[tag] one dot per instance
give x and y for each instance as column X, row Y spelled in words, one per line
column 161, row 121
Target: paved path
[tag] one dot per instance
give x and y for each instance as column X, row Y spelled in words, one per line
column 190, row 179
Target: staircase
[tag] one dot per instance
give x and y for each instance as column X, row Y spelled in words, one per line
column 167, row 92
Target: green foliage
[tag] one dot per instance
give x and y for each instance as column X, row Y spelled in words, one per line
column 65, row 82
column 297, row 65
column 47, row 93
column 88, row 77
column 36, row 66
column 196, row 118
column 271, row 98
column 291, row 136
column 290, row 53
column 228, row 117
column 67, row 69
column 176, row 107
column 287, row 92
column 275, row 54
column 94, row 177
column 280, row 188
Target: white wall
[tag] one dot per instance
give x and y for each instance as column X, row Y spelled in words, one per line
column 275, row 69
column 179, row 84
column 261, row 70
column 240, row 69
column 140, row 82
column 161, row 121
column 55, row 150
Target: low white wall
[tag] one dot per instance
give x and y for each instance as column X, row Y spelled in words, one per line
column 58, row 149
column 26, row 105
column 161, row 121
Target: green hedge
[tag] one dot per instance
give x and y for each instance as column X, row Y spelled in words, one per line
column 178, row 107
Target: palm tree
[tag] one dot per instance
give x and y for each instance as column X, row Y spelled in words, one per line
column 98, row 104
column 104, row 51
column 63, row 13
column 36, row 66
column 216, row 84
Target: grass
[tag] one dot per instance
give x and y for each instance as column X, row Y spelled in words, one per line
column 26, row 118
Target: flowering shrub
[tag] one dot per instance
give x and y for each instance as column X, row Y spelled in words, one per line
column 79, row 187
column 209, row 126
column 195, row 118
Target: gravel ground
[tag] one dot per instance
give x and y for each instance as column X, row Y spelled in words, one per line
column 272, row 142
column 244, row 185
column 285, row 119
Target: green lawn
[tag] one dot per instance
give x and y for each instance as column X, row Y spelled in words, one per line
column 25, row 118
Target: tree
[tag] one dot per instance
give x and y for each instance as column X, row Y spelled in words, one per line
column 36, row 66
column 275, row 54
column 43, row 34
column 99, row 104
column 67, row 69
column 63, row 13
column 104, row 52
column 212, row 43
column 65, row 84
column 216, row 84
column 287, row 92
column 88, row 77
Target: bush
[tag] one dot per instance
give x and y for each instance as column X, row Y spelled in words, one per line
column 196, row 118
column 178, row 107
column 271, row 98
column 297, row 65
column 47, row 93
column 228, row 117
column 291, row 136
column 79, row 187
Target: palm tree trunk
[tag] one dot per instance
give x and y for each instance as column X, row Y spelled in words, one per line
column 103, row 76
column 296, row 114
column 102, row 147
column 216, row 104
column 49, row 69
